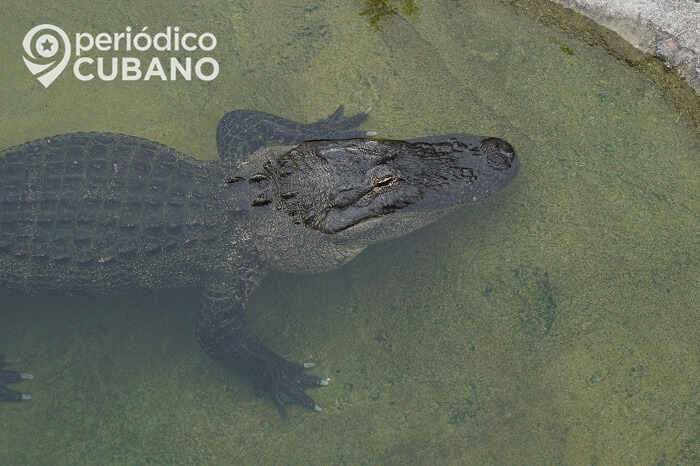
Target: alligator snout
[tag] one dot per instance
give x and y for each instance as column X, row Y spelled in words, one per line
column 500, row 155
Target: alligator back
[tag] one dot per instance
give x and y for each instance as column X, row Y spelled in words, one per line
column 101, row 212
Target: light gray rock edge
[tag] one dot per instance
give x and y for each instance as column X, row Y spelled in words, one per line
column 669, row 29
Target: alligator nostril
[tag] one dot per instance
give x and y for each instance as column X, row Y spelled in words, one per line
column 499, row 154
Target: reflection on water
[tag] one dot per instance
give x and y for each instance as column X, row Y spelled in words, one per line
column 552, row 324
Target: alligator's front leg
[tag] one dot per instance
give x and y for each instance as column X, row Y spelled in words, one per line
column 6, row 377
column 220, row 333
column 242, row 132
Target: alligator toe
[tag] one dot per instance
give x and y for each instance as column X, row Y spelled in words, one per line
column 9, row 377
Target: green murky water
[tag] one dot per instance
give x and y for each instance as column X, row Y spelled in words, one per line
column 555, row 324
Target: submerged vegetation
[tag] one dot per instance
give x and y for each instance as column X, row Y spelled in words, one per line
column 377, row 10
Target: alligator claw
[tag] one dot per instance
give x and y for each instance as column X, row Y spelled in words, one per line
column 337, row 115
column 337, row 126
column 286, row 384
column 294, row 395
column 6, row 377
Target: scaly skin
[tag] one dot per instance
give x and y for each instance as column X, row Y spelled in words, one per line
column 108, row 213
column 82, row 212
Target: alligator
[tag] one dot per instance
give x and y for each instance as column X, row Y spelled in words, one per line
column 111, row 213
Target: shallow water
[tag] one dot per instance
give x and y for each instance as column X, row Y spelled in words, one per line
column 556, row 323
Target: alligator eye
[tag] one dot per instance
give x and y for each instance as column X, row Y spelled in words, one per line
column 384, row 182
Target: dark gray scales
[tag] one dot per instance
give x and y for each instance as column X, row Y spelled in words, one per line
column 85, row 202
column 109, row 213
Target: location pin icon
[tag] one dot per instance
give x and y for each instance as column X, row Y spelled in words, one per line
column 42, row 45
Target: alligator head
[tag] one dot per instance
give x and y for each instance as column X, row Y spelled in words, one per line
column 354, row 192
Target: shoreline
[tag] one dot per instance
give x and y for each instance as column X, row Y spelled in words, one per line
column 668, row 29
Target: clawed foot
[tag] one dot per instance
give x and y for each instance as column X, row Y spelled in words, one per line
column 242, row 132
column 6, row 377
column 338, row 126
column 285, row 383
